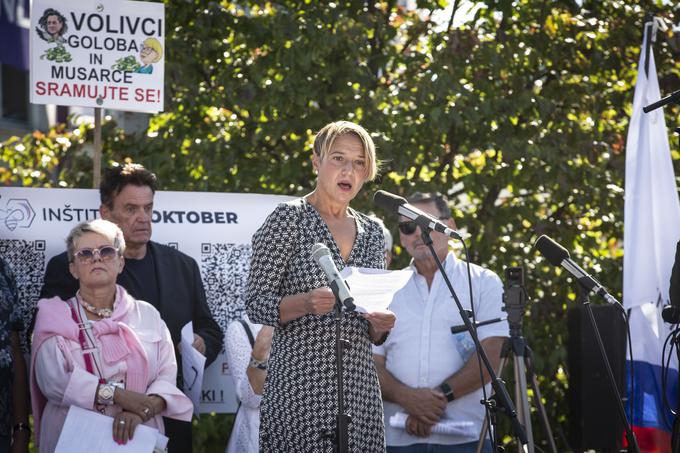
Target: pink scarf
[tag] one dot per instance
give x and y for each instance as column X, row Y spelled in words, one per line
column 118, row 342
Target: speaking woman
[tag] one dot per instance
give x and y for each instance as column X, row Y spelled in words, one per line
column 287, row 289
column 102, row 349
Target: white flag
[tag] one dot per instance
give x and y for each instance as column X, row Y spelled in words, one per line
column 651, row 231
column 652, row 211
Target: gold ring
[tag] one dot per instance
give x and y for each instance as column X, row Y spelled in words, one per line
column 122, row 422
column 146, row 411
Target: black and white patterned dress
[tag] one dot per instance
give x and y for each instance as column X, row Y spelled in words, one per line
column 300, row 396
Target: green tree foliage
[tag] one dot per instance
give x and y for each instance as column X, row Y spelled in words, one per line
column 519, row 114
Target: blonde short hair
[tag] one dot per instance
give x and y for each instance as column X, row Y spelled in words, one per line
column 327, row 135
column 102, row 227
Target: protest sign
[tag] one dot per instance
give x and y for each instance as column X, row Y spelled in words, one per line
column 98, row 54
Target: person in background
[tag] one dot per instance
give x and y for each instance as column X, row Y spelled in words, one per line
column 102, row 349
column 674, row 298
column 14, row 428
column 425, row 372
column 161, row 275
column 247, row 346
column 288, row 290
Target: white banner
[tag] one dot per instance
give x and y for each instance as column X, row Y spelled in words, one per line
column 213, row 228
column 98, row 54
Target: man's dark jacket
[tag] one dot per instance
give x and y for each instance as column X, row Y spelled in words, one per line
column 182, row 297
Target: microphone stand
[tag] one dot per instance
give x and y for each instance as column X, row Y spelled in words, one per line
column 630, row 436
column 462, row 328
column 341, row 435
column 501, row 394
column 673, row 97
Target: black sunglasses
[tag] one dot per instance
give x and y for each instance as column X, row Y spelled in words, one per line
column 105, row 253
column 409, row 226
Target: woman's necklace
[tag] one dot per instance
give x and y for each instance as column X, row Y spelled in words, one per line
column 101, row 312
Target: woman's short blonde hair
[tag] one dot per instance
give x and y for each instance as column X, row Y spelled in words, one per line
column 327, row 135
column 102, row 227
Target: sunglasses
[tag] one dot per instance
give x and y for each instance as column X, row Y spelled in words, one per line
column 105, row 253
column 409, row 226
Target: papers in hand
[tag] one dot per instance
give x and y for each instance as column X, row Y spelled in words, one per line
column 444, row 426
column 373, row 289
column 193, row 363
column 91, row 431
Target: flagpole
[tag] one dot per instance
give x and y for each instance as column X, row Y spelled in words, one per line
column 648, row 28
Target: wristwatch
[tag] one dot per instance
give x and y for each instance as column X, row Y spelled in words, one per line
column 106, row 391
column 447, row 391
column 259, row 364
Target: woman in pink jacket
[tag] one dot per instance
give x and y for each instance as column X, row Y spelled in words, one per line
column 102, row 350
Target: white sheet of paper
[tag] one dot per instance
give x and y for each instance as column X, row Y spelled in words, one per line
column 86, row 430
column 444, row 426
column 373, row 289
column 193, row 363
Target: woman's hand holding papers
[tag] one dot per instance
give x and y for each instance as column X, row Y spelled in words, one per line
column 380, row 324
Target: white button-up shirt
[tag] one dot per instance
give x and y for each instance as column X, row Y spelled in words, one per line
column 420, row 351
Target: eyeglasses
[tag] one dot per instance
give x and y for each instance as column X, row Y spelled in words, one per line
column 408, row 227
column 105, row 253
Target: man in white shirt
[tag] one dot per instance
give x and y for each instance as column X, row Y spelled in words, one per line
column 425, row 371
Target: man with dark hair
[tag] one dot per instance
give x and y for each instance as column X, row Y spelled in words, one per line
column 426, row 373
column 160, row 275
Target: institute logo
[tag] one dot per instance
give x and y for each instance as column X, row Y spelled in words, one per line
column 17, row 213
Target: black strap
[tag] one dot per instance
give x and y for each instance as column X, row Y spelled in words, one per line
column 251, row 339
column 248, row 332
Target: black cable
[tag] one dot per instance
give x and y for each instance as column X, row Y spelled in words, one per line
column 664, row 370
column 479, row 359
column 665, row 378
column 626, row 320
column 671, row 339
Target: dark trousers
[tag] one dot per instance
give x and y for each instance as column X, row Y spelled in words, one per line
column 179, row 434
column 4, row 444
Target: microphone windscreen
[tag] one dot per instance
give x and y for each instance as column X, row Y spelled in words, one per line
column 553, row 251
column 388, row 201
column 318, row 250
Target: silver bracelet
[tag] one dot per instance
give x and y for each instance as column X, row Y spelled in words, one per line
column 259, row 364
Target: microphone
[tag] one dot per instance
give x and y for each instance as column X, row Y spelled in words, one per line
column 559, row 256
column 395, row 203
column 671, row 314
column 323, row 257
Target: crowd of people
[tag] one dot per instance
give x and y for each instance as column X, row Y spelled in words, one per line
column 107, row 326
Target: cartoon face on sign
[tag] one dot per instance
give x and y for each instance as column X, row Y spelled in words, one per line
column 52, row 26
column 151, row 53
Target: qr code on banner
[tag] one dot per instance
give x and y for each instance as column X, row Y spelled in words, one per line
column 224, row 268
column 27, row 260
